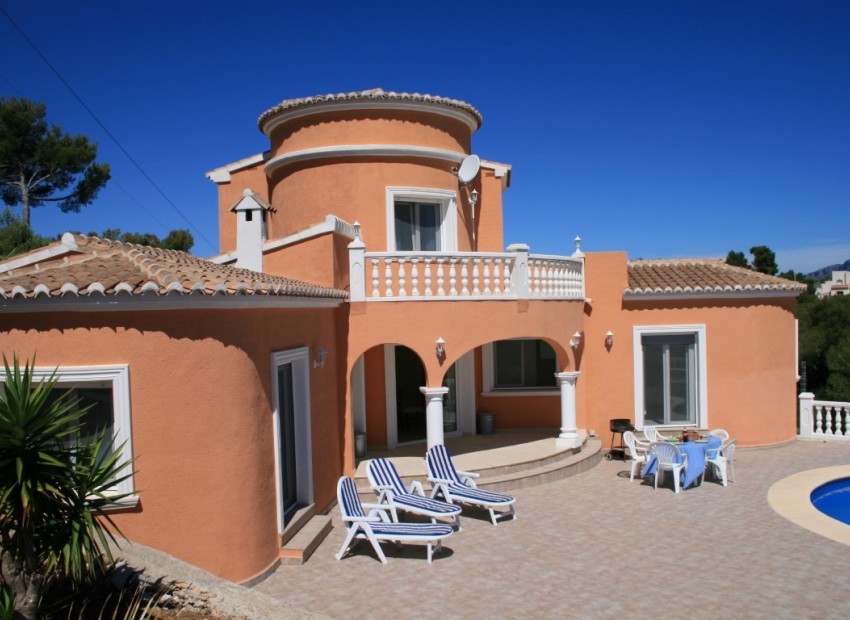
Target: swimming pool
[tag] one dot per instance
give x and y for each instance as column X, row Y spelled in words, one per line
column 833, row 499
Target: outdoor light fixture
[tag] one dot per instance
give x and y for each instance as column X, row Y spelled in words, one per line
column 441, row 347
column 576, row 341
column 609, row 339
column 323, row 355
column 473, row 197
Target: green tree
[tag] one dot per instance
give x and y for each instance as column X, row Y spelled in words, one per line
column 53, row 490
column 40, row 164
column 764, row 260
column 16, row 237
column 825, row 345
column 180, row 239
column 737, row 259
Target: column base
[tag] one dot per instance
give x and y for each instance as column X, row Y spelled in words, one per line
column 573, row 441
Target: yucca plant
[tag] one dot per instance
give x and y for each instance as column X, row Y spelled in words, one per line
column 52, row 489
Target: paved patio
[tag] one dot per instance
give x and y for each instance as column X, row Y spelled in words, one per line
column 597, row 546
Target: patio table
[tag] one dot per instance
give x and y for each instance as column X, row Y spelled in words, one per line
column 696, row 451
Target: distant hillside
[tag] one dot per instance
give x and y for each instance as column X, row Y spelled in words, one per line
column 826, row 272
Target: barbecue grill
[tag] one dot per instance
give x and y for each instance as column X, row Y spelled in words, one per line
column 618, row 427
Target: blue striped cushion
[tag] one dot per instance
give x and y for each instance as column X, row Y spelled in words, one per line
column 413, row 531
column 425, row 504
column 440, row 465
column 349, row 501
column 479, row 495
column 385, row 474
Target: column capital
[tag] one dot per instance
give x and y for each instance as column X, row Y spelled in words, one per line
column 434, row 392
column 570, row 377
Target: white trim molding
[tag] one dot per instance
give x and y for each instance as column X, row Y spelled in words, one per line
column 361, row 150
column 116, row 376
column 699, row 332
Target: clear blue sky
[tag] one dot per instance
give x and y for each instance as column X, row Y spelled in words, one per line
column 665, row 128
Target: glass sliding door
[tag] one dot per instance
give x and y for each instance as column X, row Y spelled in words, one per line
column 286, row 441
column 669, row 379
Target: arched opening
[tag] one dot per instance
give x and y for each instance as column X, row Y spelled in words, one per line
column 409, row 403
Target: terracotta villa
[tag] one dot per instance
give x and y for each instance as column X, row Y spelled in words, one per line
column 365, row 290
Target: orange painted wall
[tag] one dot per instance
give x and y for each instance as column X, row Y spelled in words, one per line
column 370, row 127
column 376, row 401
column 201, row 407
column 750, row 344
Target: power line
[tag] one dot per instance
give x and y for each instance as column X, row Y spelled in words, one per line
column 108, row 133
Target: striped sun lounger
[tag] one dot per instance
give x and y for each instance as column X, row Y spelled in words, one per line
column 377, row 526
column 390, row 489
column 459, row 486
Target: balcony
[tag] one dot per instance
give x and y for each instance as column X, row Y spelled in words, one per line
column 464, row 276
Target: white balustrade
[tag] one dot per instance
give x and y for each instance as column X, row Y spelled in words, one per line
column 824, row 420
column 400, row 276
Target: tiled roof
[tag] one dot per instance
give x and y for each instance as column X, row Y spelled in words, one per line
column 701, row 277
column 80, row 265
column 374, row 94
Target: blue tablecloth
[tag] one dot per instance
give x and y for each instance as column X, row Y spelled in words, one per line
column 696, row 452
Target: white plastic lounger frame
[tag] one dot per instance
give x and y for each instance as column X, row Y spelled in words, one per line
column 376, row 526
column 459, row 486
column 390, row 489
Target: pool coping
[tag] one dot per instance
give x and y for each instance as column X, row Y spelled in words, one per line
column 791, row 499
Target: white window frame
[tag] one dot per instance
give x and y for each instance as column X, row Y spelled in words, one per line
column 447, row 200
column 699, row 332
column 116, row 376
column 488, row 370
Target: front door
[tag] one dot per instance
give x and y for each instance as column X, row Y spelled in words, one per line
column 410, row 403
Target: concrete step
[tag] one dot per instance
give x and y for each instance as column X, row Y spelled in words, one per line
column 518, row 475
column 302, row 545
column 298, row 520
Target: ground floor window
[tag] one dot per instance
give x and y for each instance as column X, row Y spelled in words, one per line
column 106, row 389
column 670, row 376
column 523, row 364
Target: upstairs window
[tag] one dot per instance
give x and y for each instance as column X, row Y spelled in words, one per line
column 421, row 220
column 417, row 226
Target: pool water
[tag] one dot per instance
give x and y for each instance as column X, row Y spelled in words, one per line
column 833, row 499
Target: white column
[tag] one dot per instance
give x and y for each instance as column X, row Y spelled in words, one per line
column 569, row 436
column 434, row 413
column 357, row 266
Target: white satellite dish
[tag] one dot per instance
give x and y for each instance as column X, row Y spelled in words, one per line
column 468, row 169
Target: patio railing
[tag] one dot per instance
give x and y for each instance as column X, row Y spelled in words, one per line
column 823, row 420
column 447, row 276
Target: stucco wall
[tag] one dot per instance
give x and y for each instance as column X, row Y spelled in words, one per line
column 201, row 406
column 751, row 377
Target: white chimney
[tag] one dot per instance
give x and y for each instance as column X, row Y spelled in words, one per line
column 251, row 212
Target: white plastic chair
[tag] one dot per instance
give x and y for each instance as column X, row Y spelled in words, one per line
column 638, row 451
column 651, row 433
column 721, row 461
column 722, row 433
column 670, row 458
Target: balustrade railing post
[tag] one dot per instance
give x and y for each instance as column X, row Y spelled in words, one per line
column 519, row 274
column 806, row 415
column 357, row 266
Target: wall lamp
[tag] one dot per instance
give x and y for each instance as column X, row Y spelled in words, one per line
column 319, row 362
column 609, row 339
column 575, row 343
column 440, row 349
